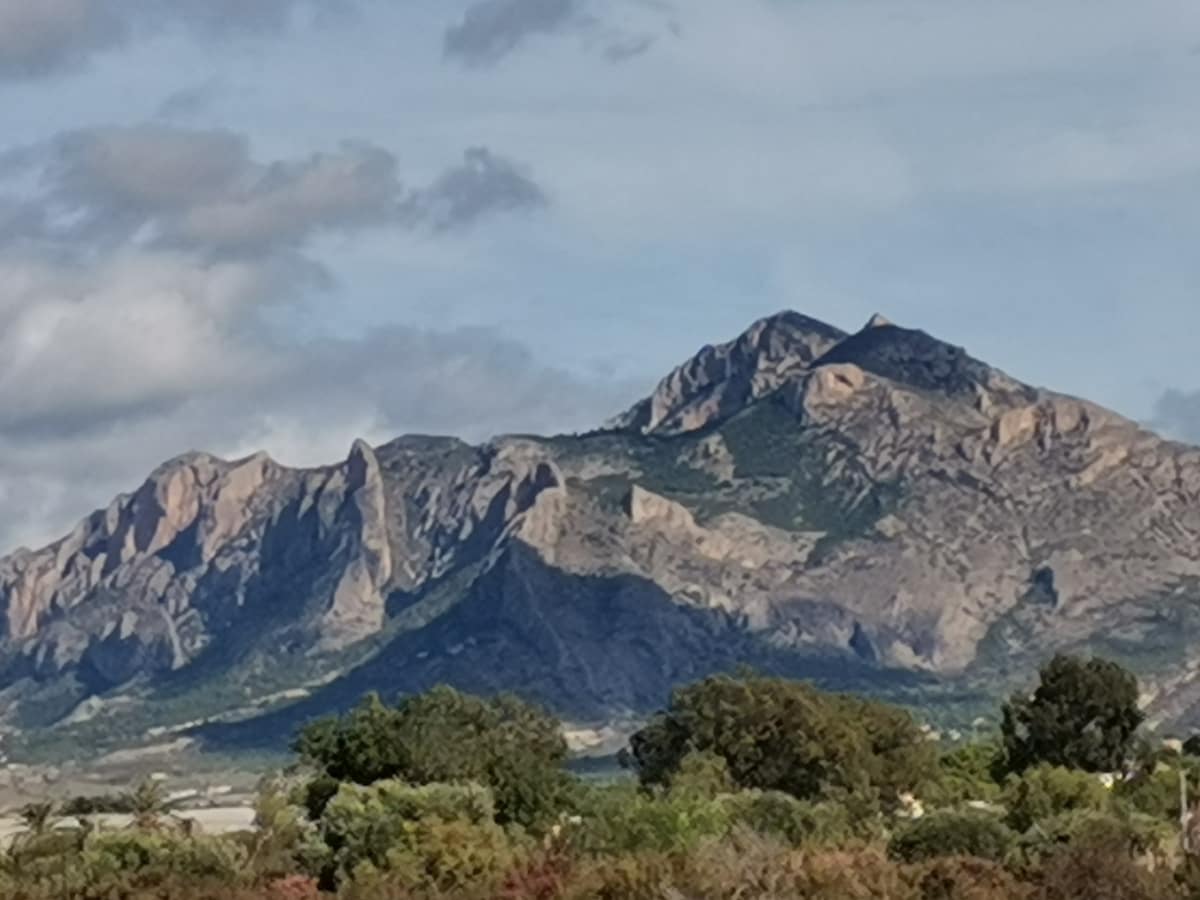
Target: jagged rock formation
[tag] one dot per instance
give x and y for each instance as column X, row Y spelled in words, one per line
column 877, row 508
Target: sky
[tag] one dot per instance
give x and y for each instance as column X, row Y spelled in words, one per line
column 234, row 225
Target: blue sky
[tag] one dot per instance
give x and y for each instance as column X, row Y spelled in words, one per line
column 230, row 225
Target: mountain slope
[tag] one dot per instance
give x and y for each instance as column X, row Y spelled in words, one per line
column 877, row 510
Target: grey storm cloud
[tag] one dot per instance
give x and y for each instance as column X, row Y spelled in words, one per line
column 202, row 189
column 41, row 37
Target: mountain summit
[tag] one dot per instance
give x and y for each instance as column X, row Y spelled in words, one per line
column 876, row 510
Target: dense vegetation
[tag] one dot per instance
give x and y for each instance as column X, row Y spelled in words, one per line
column 746, row 787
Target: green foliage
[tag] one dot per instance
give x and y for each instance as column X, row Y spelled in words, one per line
column 369, row 824
column 146, row 802
column 702, row 774
column 283, row 842
column 1156, row 793
column 783, row 735
column 965, row 774
column 514, row 748
column 623, row 819
column 1047, row 791
column 952, row 833
column 1131, row 836
column 1083, row 715
column 795, row 822
column 434, row 856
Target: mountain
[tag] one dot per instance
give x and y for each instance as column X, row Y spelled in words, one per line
column 878, row 511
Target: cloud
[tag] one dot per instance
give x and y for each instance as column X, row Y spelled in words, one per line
column 145, row 269
column 188, row 103
column 106, row 373
column 43, row 37
column 482, row 184
column 40, row 37
column 490, row 30
column 202, row 189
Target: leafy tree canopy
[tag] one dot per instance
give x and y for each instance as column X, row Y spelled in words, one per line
column 513, row 748
column 1083, row 715
column 775, row 734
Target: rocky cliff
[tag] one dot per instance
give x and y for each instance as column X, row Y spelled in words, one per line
column 877, row 509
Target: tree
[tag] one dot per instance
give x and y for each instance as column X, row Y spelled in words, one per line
column 146, row 803
column 511, row 747
column 1083, row 715
column 775, row 734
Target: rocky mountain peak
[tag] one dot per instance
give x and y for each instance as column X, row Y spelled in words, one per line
column 829, row 505
column 719, row 380
column 917, row 360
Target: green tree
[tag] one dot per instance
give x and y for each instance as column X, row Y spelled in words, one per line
column 1083, row 715
column 147, row 802
column 966, row 773
column 775, row 734
column 513, row 748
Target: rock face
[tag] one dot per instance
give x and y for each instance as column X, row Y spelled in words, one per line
column 876, row 510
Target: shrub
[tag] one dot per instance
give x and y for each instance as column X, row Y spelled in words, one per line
column 1100, row 870
column 622, row 819
column 1131, row 836
column 967, row 878
column 782, row 816
column 950, row 833
column 367, row 824
column 434, row 856
column 1047, row 791
column 964, row 774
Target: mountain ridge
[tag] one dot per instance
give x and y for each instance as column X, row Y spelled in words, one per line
column 873, row 508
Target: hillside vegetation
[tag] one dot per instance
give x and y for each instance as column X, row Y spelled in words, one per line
column 742, row 788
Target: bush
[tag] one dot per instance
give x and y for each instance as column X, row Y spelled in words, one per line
column 1047, row 791
column 1156, row 793
column 1100, row 870
column 964, row 774
column 967, row 878
column 368, row 824
column 1131, row 836
column 438, row 857
column 623, row 819
column 949, row 833
column 781, row 816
